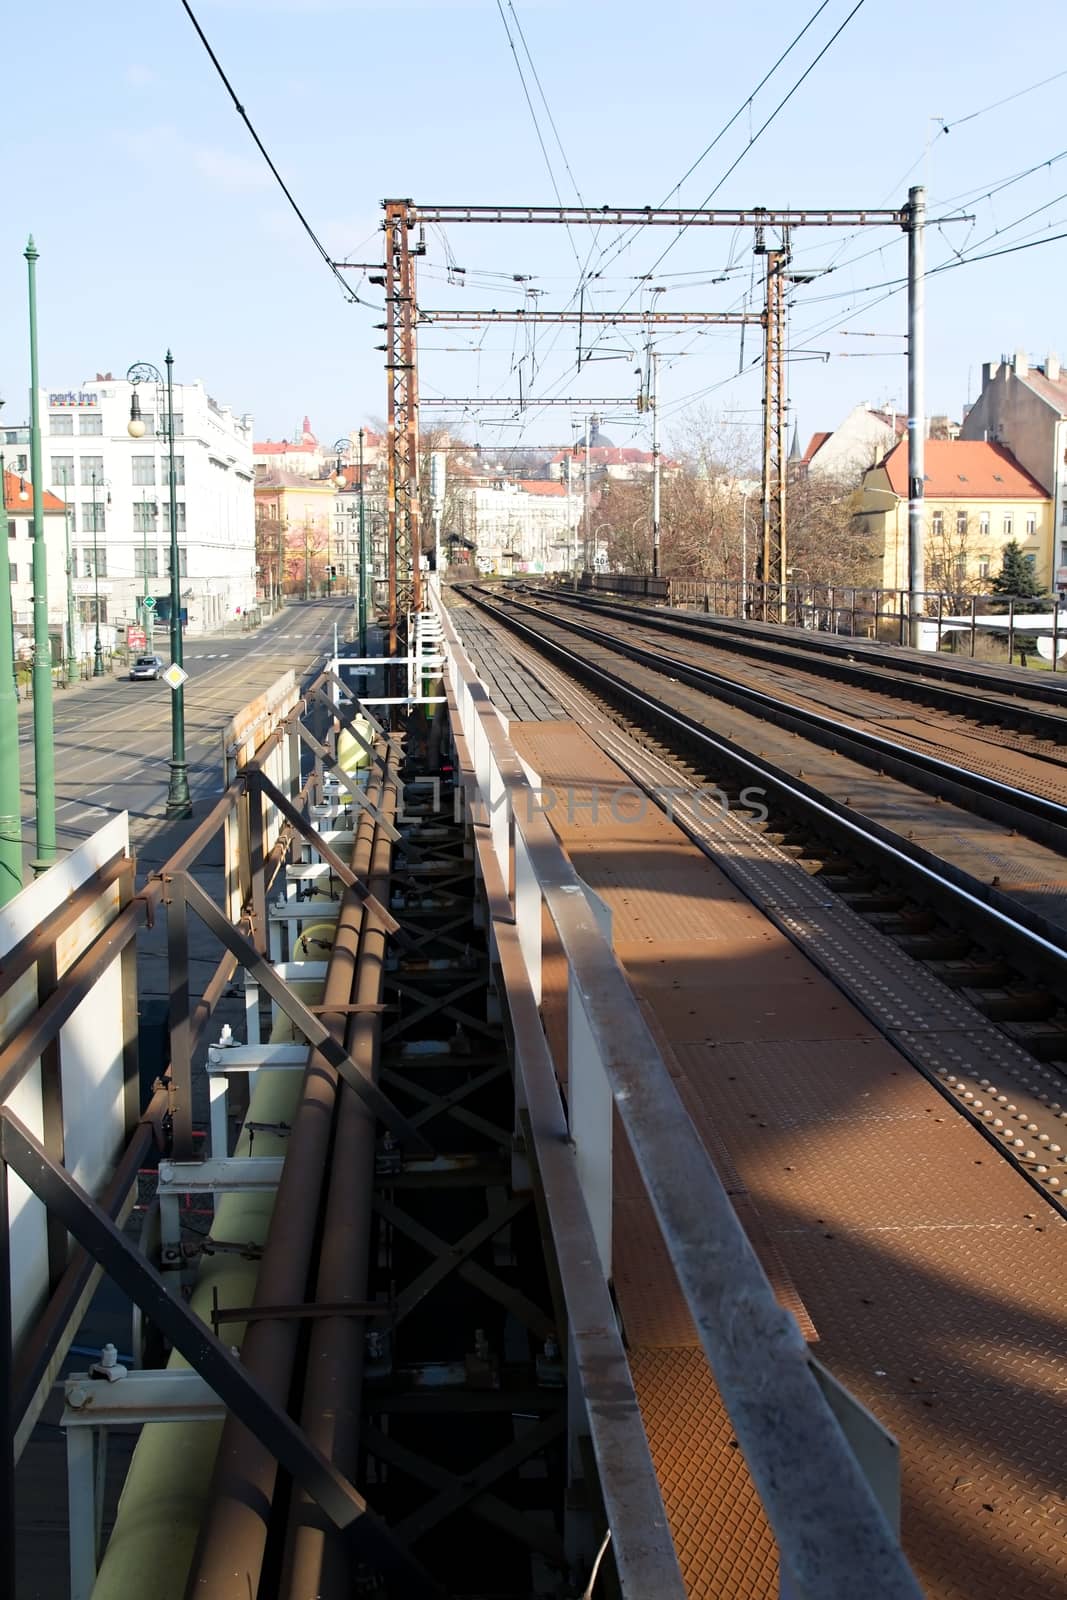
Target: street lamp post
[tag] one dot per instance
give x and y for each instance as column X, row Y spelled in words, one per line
column 98, row 654
column 596, row 543
column 146, row 609
column 73, row 671
column 342, row 450
column 179, row 800
column 10, row 795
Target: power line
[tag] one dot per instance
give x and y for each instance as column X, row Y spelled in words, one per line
column 350, row 293
column 544, row 102
column 753, row 139
column 536, row 123
column 1008, row 98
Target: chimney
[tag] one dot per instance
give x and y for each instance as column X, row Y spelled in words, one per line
column 989, row 371
column 1052, row 368
column 1021, row 364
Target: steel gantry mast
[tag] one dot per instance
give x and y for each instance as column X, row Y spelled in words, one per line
column 401, row 361
column 773, row 475
column 403, row 316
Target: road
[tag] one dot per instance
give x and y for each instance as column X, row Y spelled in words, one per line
column 112, row 737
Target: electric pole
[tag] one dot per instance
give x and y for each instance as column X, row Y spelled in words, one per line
column 916, row 226
column 585, row 498
column 653, row 397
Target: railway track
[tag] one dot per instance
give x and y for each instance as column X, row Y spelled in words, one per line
column 900, row 1222
column 929, row 938
column 1034, row 704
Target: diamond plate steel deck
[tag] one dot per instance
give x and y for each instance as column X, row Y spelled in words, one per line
column 931, row 1269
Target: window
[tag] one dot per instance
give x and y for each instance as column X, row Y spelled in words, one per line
column 1009, row 524
column 11, row 527
column 1031, row 524
column 1063, row 514
column 144, row 516
column 72, row 513
column 144, row 469
column 983, row 566
column 937, row 524
column 1031, row 562
column 101, row 562
column 183, row 563
column 17, row 462
column 961, row 524
column 90, row 422
column 62, row 471
column 145, row 562
column 179, row 470
column 93, row 519
column 1063, row 553
column 983, row 522
column 14, row 573
column 181, row 516
column 62, row 426
column 92, row 467
column 87, row 609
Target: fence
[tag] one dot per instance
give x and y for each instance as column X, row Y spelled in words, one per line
column 851, row 611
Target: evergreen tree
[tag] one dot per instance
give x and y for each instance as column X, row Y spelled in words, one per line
column 1016, row 579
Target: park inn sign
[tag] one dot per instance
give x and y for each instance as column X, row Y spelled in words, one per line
column 70, row 397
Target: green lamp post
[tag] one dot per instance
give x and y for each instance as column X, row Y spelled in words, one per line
column 10, row 797
column 179, row 800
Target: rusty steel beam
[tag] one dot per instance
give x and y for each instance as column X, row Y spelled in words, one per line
column 315, row 1031
column 663, row 319
column 316, row 1562
column 658, row 216
column 229, row 1558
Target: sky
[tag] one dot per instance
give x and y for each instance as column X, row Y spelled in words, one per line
column 159, row 223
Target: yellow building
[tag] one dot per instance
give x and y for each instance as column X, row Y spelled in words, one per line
column 977, row 499
column 294, row 530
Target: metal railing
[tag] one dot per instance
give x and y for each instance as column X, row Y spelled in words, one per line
column 854, row 611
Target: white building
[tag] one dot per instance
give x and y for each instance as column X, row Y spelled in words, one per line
column 118, row 499
column 303, row 454
column 525, row 525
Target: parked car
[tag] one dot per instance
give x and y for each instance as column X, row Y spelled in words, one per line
column 148, row 667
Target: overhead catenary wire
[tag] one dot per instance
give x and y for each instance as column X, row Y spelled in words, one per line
column 349, row 292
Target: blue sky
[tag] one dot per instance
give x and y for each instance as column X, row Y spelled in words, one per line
column 158, row 222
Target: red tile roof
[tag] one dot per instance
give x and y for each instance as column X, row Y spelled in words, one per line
column 13, row 502
column 271, row 448
column 965, row 469
column 817, row 442
column 1053, row 390
column 542, row 486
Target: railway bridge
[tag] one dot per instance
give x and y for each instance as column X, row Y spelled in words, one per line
column 579, row 1111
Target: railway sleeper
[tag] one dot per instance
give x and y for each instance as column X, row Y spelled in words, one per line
column 1047, row 1041
column 1011, row 1005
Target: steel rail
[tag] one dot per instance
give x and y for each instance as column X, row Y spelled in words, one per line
column 951, row 890
column 1001, row 802
column 837, row 655
column 649, row 770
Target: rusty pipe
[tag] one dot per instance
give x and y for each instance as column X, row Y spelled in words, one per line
column 316, row 1562
column 228, row 1560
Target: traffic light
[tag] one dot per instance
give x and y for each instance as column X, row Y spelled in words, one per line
column 333, row 572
